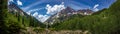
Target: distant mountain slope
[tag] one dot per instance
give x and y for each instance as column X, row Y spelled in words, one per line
column 15, row 21
column 105, row 22
column 21, row 15
column 66, row 14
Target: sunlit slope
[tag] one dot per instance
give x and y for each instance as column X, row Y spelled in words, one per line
column 107, row 21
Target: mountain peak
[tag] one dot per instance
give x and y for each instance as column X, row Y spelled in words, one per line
column 67, row 12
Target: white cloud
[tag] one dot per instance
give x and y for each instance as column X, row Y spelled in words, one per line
column 19, row 2
column 35, row 14
column 56, row 8
column 50, row 10
column 28, row 13
column 95, row 7
column 34, row 10
column 42, row 18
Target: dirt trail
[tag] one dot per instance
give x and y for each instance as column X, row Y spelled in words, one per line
column 30, row 30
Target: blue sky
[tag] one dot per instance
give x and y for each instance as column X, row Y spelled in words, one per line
column 43, row 9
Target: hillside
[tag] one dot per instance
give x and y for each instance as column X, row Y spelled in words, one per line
column 107, row 21
column 14, row 22
column 67, row 14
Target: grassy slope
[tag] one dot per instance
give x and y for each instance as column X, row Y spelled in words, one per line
column 106, row 22
column 11, row 24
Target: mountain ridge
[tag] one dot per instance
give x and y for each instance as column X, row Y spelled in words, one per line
column 67, row 12
column 107, row 21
